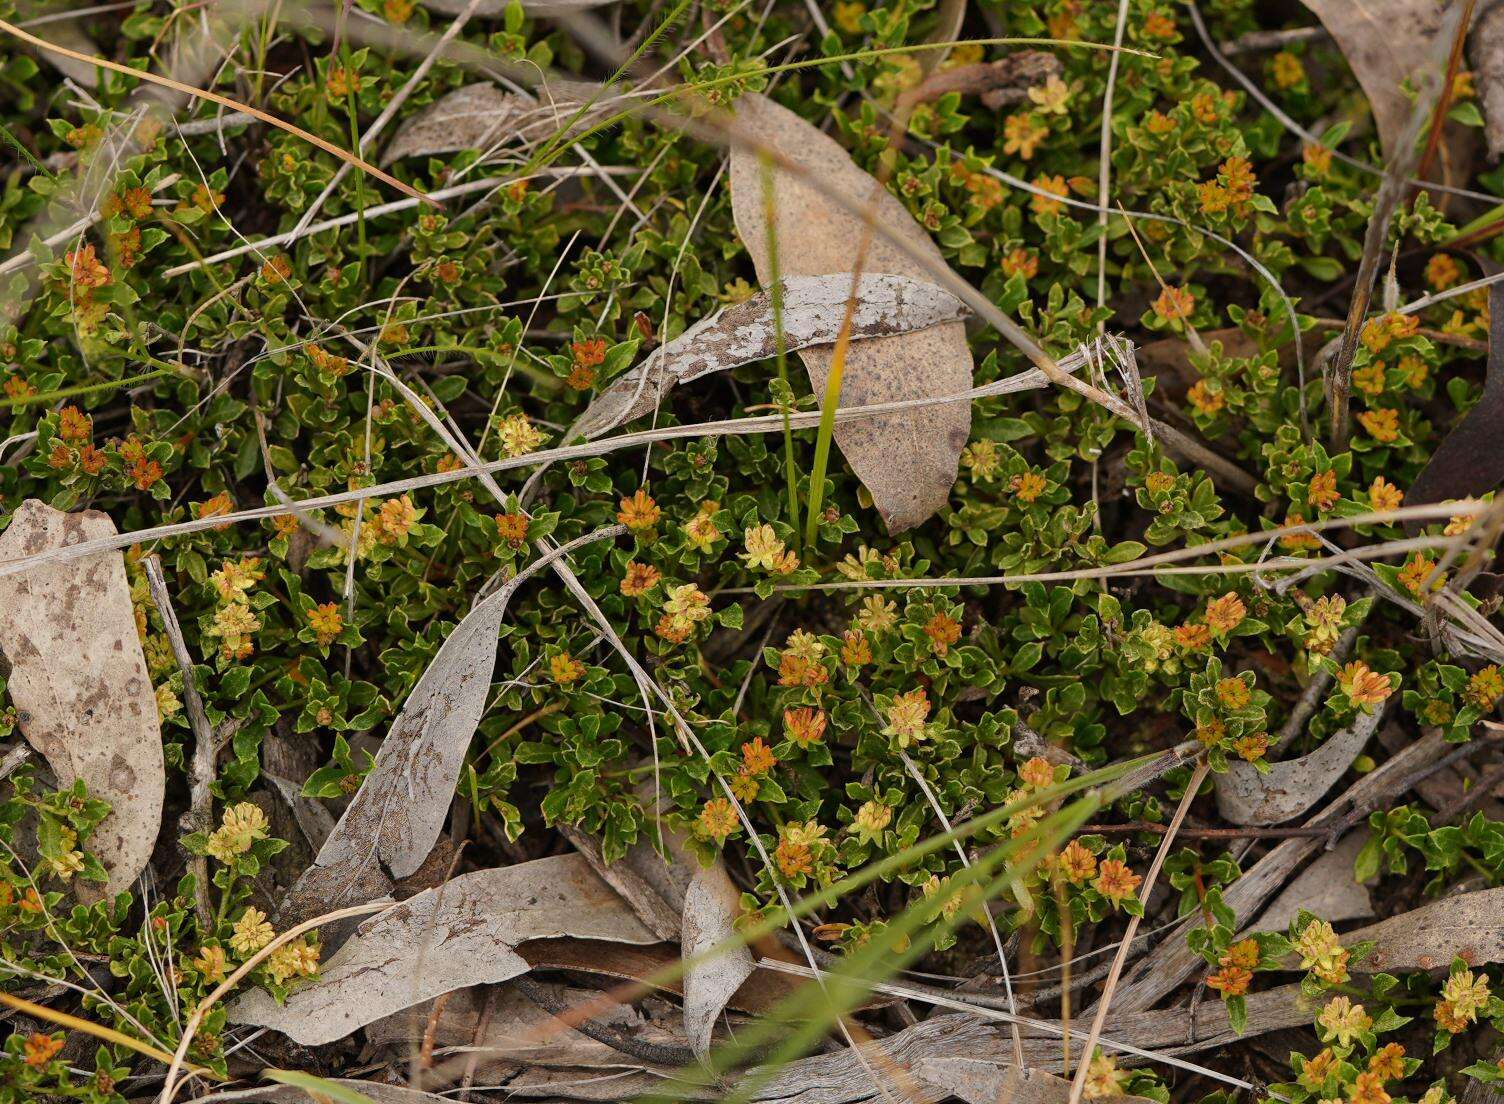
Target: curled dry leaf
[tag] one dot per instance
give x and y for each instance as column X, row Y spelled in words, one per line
column 813, row 309
column 79, row 682
column 1246, row 795
column 390, row 826
column 1428, row 938
column 481, row 116
column 462, row 933
column 711, row 907
column 1469, row 461
column 906, row 460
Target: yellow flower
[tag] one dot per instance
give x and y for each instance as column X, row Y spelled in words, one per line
column 1052, row 97
column 394, row 520
column 1467, row 993
column 565, row 669
column 877, row 615
column 326, row 622
column 297, row 959
column 1028, row 486
column 1103, row 1078
column 1343, row 1020
column 235, row 578
column 847, row 16
column 871, row 820
column 982, row 461
column 1046, row 204
column 167, row 702
column 211, row 963
column 518, row 435
column 1324, row 616
column 1077, row 863
column 718, row 819
column 1383, row 495
column 1442, row 272
column 907, row 716
column 701, row 532
column 1416, row 571
column 1287, row 70
column 1322, row 490
column 1115, row 881
column 686, row 606
column 246, row 819
column 1022, row 135
column 804, row 726
column 1321, row 953
column 251, row 933
column 1485, row 688
column 765, row 551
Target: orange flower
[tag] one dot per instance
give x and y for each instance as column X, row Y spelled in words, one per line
column 1382, row 424
column 1044, row 204
column 1021, row 261
column 943, row 631
column 1233, row 693
column 639, row 512
column 804, row 726
column 87, row 270
column 41, row 1049
column 1383, row 495
column 1077, row 863
column 718, row 819
column 1323, row 490
column 1037, row 772
column 589, row 354
column 639, row 579
column 1416, row 571
column 1206, row 399
column 1388, row 1062
column 1115, row 881
column 1028, row 486
column 512, row 529
column 757, row 757
column 1192, row 638
column 73, row 425
column 1363, row 685
column 1230, row 981
column 1174, row 304
column 1225, row 613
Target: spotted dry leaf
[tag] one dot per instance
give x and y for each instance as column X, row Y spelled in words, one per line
column 78, row 679
column 908, row 459
column 1428, row 938
column 459, row 934
column 813, row 309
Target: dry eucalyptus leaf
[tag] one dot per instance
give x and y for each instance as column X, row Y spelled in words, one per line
column 710, row 910
column 907, row 460
column 481, row 116
column 1325, row 888
column 1428, row 938
column 390, row 826
column 79, row 682
column 462, row 933
column 1246, row 795
column 1385, row 42
column 1485, row 49
column 813, row 310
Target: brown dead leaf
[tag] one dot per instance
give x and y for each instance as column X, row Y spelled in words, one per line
column 79, row 682
column 460, row 934
column 813, row 309
column 1246, row 795
column 487, row 8
column 908, row 462
column 1380, row 54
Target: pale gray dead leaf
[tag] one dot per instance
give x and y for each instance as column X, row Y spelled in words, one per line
column 710, row 910
column 1246, row 795
column 1385, row 42
column 482, row 116
column 984, row 1081
column 79, row 682
column 813, row 310
column 462, row 933
column 390, row 826
column 289, row 1094
column 1486, row 52
column 906, row 460
column 1325, row 888
column 1428, row 938
column 70, row 34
